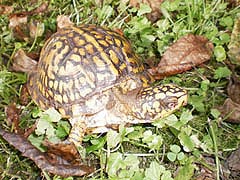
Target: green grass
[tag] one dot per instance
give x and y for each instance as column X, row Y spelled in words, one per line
column 142, row 151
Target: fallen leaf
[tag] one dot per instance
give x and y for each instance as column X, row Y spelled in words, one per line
column 40, row 9
column 233, row 164
column 233, row 3
column 12, row 115
column 65, row 151
column 231, row 110
column 22, row 62
column 30, row 130
column 234, row 50
column 206, row 172
column 46, row 162
column 36, row 29
column 18, row 23
column 155, row 14
column 186, row 53
column 24, row 95
column 233, row 89
column 6, row 9
column 63, row 21
column 17, row 19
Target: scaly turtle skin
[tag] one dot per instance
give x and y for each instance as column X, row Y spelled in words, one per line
column 91, row 75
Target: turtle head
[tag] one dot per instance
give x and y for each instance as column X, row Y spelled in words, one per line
column 159, row 101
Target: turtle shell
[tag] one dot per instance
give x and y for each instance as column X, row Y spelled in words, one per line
column 78, row 63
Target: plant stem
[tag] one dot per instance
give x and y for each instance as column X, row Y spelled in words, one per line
column 215, row 149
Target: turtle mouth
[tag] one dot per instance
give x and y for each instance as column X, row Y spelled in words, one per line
column 183, row 99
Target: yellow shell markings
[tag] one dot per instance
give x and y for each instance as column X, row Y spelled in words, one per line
column 50, row 93
column 89, row 49
column 122, row 66
column 51, row 54
column 103, row 42
column 132, row 60
column 52, row 67
column 65, row 98
column 58, row 98
column 46, row 83
column 118, row 42
column 109, row 63
column 78, row 41
column 55, row 85
column 145, row 81
column 85, row 48
column 69, row 68
column 82, row 52
column 114, row 57
column 109, row 40
column 74, row 69
column 99, row 63
column 60, row 86
column 91, row 39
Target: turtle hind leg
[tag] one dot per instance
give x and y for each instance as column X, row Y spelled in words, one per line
column 69, row 147
column 77, row 132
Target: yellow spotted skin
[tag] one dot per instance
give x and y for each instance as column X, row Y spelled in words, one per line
column 159, row 101
column 92, row 76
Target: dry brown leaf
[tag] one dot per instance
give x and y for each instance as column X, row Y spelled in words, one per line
column 22, row 62
column 155, row 6
column 233, row 89
column 206, row 172
column 63, row 21
column 231, row 110
column 186, row 53
column 36, row 29
column 65, row 151
column 29, row 131
column 231, row 107
column 41, row 9
column 12, row 115
column 233, row 160
column 18, row 24
column 16, row 20
column 6, row 9
column 233, row 3
column 43, row 160
column 24, row 95
column 234, row 165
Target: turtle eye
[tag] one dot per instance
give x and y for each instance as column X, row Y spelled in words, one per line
column 172, row 105
column 171, row 102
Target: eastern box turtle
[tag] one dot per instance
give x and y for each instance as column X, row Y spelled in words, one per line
column 92, row 76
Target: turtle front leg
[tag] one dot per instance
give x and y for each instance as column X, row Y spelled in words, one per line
column 77, row 132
